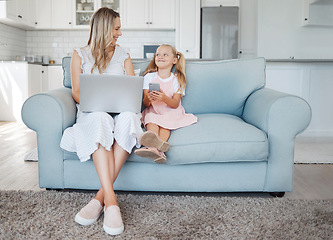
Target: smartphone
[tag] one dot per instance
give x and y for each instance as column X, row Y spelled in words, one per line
column 154, row 87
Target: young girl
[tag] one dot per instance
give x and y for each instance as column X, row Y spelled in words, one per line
column 164, row 111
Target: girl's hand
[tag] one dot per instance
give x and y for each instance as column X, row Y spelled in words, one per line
column 157, row 96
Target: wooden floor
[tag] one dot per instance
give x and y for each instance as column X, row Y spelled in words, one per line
column 311, row 181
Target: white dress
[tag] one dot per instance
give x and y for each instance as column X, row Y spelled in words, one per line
column 96, row 128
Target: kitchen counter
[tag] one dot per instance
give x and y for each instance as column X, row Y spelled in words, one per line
column 267, row 60
column 300, row 60
column 35, row 63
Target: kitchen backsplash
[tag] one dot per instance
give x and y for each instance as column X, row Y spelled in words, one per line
column 58, row 44
column 12, row 42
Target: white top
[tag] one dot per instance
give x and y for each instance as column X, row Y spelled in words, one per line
column 115, row 67
column 149, row 77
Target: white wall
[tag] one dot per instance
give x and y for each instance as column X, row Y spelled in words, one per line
column 12, row 42
column 57, row 44
column 281, row 34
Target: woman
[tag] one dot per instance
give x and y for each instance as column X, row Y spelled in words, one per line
column 109, row 140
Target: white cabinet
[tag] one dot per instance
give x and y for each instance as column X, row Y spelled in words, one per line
column 218, row 3
column 312, row 81
column 62, row 14
column 148, row 14
column 17, row 13
column 54, row 14
column 84, row 9
column 54, row 77
column 317, row 13
column 188, row 28
column 43, row 14
column 35, row 76
column 19, row 80
column 248, row 29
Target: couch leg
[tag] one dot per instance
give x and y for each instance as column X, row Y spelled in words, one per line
column 277, row 194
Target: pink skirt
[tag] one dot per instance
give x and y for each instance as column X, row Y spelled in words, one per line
column 168, row 118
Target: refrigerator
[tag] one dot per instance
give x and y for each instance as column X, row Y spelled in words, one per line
column 219, row 33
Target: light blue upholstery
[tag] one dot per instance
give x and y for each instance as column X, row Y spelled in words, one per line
column 243, row 141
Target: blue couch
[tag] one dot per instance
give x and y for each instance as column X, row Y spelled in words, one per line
column 243, row 141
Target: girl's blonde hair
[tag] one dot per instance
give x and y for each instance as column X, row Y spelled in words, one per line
column 100, row 37
column 179, row 67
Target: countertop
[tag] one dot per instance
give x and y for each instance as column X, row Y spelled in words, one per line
column 35, row 63
column 299, row 60
column 267, row 60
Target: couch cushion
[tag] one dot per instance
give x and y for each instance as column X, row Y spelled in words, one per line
column 215, row 138
column 222, row 86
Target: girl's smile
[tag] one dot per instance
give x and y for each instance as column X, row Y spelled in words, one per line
column 164, row 57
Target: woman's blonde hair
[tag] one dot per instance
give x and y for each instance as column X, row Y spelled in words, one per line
column 100, row 37
column 179, row 67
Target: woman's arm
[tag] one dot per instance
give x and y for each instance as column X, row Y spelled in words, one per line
column 146, row 98
column 128, row 65
column 76, row 70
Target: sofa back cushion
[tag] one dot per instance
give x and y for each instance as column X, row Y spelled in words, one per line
column 212, row 87
column 66, row 67
column 222, row 86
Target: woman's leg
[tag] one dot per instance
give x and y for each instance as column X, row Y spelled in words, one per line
column 104, row 162
column 120, row 156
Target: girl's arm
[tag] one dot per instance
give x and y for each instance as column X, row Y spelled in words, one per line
column 171, row 102
column 75, row 76
column 128, row 65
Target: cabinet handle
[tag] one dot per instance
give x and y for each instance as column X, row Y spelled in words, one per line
column 305, row 19
column 240, row 52
column 147, row 22
column 42, row 71
column 19, row 16
column 150, row 22
column 36, row 23
column 70, row 23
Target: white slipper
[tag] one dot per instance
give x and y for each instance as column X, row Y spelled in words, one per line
column 113, row 224
column 89, row 213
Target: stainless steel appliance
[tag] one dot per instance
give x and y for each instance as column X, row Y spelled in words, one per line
column 219, row 33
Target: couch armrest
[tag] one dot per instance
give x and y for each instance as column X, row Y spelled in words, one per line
column 49, row 114
column 282, row 116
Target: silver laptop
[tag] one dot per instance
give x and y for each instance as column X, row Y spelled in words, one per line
column 110, row 93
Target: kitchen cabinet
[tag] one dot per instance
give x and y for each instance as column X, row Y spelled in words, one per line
column 188, row 28
column 18, row 13
column 218, row 3
column 62, row 14
column 43, row 18
column 19, row 80
column 14, row 89
column 148, row 14
column 84, row 9
column 55, row 14
column 310, row 80
column 248, row 29
column 35, row 76
column 54, row 77
column 317, row 13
